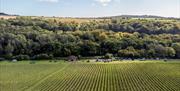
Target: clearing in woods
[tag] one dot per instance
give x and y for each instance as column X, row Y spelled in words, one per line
column 116, row 76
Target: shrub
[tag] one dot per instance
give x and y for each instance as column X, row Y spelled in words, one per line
column 8, row 56
column 165, row 60
column 2, row 59
column 50, row 60
column 108, row 56
column 32, row 62
column 42, row 56
column 21, row 57
column 88, row 61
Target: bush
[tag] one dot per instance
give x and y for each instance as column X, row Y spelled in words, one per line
column 88, row 61
column 50, row 60
column 8, row 56
column 165, row 60
column 2, row 59
column 21, row 57
column 42, row 56
column 32, row 62
column 108, row 56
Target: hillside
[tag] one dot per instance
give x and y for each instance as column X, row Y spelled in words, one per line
column 51, row 37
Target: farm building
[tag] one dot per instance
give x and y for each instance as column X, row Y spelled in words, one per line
column 103, row 60
column 14, row 60
column 72, row 58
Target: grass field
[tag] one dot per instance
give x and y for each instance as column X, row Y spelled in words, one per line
column 82, row 76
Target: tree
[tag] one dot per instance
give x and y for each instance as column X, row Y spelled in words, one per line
column 160, row 51
column 1, row 50
column 89, row 48
column 70, row 49
column 108, row 56
column 57, row 52
column 151, row 53
column 176, row 47
column 111, row 46
column 129, row 52
column 8, row 51
column 170, row 52
column 21, row 57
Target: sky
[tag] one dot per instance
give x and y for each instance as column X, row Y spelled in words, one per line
column 91, row 8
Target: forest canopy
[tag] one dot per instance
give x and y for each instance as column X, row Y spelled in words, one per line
column 26, row 38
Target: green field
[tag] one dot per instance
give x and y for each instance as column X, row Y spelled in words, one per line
column 82, row 76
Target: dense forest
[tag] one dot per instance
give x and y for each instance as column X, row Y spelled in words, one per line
column 26, row 38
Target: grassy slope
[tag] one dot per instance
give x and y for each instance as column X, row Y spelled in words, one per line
column 117, row 76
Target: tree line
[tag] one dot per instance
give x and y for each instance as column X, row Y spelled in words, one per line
column 40, row 38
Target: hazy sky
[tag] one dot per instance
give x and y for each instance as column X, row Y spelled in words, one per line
column 89, row 8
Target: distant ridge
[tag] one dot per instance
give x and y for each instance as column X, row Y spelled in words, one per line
column 139, row 16
column 126, row 16
column 103, row 17
column 4, row 14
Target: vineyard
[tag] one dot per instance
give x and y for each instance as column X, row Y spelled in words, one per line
column 119, row 76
